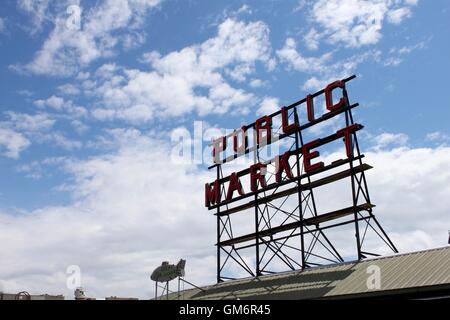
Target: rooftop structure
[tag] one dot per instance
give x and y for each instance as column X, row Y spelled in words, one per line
column 422, row 274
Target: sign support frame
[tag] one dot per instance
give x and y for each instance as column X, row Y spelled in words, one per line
column 304, row 221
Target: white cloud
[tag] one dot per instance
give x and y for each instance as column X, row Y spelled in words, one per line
column 410, row 189
column 257, row 83
column 68, row 89
column 299, row 62
column 268, row 106
column 244, row 9
column 59, row 104
column 191, row 79
column 38, row 10
column 300, row 5
column 398, row 15
column 41, row 136
column 62, row 141
column 124, row 221
column 12, row 143
column 37, row 128
column 52, row 102
column 396, row 55
column 27, row 122
column 25, row 93
column 357, row 22
column 228, row 13
column 68, row 49
column 136, row 114
column 392, row 61
column 239, row 73
column 197, row 78
column 107, row 70
column 437, row 136
column 409, row 49
column 21, row 128
column 82, row 76
column 390, row 140
column 313, row 83
column 38, row 169
column 79, row 126
column 312, row 39
column 354, row 23
column 323, row 67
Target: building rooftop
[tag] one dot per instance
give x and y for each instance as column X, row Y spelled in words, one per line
column 410, row 273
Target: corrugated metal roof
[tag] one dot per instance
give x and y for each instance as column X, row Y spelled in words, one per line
column 398, row 272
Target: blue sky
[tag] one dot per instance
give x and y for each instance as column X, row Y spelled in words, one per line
column 82, row 109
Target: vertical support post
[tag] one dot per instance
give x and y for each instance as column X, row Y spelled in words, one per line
column 167, row 290
column 348, row 122
column 299, row 191
column 255, row 160
column 218, row 229
column 258, row 271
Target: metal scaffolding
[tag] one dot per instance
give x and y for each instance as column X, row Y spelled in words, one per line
column 289, row 232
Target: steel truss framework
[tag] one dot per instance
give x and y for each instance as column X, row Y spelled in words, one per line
column 289, row 232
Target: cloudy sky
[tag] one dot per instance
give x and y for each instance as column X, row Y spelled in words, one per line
column 92, row 93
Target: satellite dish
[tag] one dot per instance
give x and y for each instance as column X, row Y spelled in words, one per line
column 167, row 272
column 23, row 295
column 79, row 294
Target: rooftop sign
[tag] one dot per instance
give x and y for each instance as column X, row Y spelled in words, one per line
column 265, row 186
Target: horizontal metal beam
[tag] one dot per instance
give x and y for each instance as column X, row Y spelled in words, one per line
column 314, row 184
column 317, row 228
column 293, row 225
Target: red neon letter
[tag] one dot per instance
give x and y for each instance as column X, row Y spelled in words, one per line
column 283, row 165
column 287, row 128
column 329, row 96
column 257, row 173
column 308, row 156
column 235, row 184
column 244, row 141
column 310, row 107
column 348, row 138
column 219, row 145
column 212, row 195
column 264, row 123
